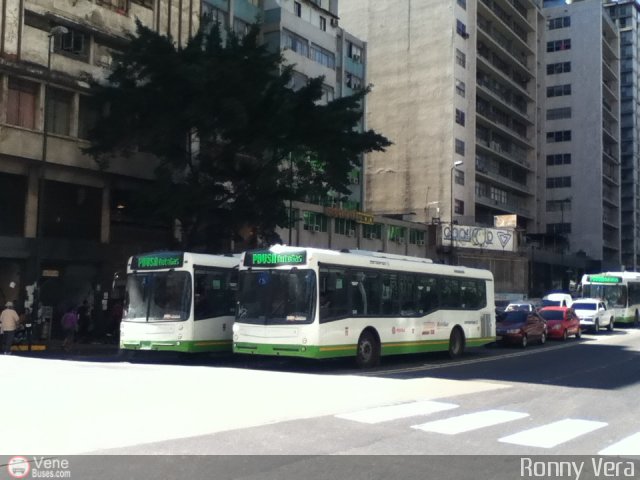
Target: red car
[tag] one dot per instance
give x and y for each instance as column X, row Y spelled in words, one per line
column 520, row 327
column 561, row 322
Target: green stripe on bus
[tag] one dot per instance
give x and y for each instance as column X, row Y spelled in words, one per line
column 333, row 351
column 192, row 346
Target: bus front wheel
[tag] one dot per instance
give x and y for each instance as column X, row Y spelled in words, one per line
column 456, row 343
column 368, row 352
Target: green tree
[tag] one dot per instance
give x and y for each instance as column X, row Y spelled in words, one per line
column 225, row 133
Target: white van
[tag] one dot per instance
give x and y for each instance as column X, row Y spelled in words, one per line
column 557, row 300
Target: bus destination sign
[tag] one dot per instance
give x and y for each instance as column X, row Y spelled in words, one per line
column 271, row 259
column 157, row 260
column 604, row 279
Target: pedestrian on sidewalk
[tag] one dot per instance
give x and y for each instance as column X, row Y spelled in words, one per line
column 69, row 327
column 9, row 322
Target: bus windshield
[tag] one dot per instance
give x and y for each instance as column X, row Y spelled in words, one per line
column 158, row 297
column 268, row 297
column 615, row 295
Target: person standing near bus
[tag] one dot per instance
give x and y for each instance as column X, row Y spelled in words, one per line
column 9, row 321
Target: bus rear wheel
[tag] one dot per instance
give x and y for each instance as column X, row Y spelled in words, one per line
column 456, row 343
column 368, row 350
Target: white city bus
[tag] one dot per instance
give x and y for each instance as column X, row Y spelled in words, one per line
column 179, row 301
column 621, row 291
column 316, row 303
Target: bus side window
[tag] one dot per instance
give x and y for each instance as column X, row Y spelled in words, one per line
column 427, row 294
column 357, row 293
column 333, row 286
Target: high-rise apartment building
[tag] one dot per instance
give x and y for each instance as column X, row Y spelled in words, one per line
column 455, row 90
column 626, row 14
column 580, row 147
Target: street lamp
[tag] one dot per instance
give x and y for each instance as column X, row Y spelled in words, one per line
column 56, row 31
column 456, row 164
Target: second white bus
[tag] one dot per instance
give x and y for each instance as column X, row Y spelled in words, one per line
column 179, row 301
column 621, row 291
column 320, row 304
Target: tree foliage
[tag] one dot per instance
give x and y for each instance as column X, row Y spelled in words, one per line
column 231, row 143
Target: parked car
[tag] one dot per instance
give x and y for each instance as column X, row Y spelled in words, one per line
column 557, row 299
column 561, row 322
column 501, row 305
column 524, row 307
column 521, row 327
column 593, row 314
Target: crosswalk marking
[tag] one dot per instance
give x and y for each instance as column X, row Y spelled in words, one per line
column 470, row 421
column 626, row 446
column 548, row 436
column 394, row 412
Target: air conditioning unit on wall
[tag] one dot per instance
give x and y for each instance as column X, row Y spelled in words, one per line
column 334, row 22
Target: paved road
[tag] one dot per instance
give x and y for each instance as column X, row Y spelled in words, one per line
column 577, row 397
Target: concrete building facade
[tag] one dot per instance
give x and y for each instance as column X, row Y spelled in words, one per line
column 453, row 82
column 580, row 145
column 625, row 14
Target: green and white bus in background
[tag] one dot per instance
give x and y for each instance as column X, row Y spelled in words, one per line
column 620, row 290
column 179, row 301
column 317, row 303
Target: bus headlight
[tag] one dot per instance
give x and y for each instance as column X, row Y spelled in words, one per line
column 179, row 337
column 236, row 328
column 304, row 341
column 235, row 338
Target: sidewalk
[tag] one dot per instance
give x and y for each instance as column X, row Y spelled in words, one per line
column 53, row 348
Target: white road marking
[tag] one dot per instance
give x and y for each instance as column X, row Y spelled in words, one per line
column 626, row 446
column 394, row 412
column 471, row 421
column 548, row 436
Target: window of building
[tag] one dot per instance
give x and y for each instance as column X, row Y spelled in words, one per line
column 314, row 221
column 21, row 103
column 460, row 117
column 396, row 233
column 373, row 232
column 462, row 3
column 119, row 6
column 459, row 147
column 459, row 177
column 59, row 104
column 344, row 226
column 352, row 81
column 323, row 56
column 327, row 93
column 354, row 52
column 297, row 81
column 498, row 195
column 559, row 90
column 460, row 88
column 215, row 15
column 559, row 136
column 144, row 3
column 458, row 208
column 240, row 27
column 88, row 116
column 559, row 45
column 416, row 237
column 73, row 42
column 559, row 22
column 295, row 42
column 558, row 182
column 461, row 58
column 559, row 159
column 297, row 9
column 323, row 23
column 558, row 113
column 461, row 29
column 561, row 67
